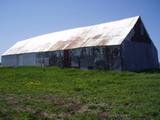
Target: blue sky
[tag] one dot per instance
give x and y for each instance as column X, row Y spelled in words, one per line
column 22, row 19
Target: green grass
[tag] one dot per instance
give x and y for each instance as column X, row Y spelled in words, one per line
column 33, row 93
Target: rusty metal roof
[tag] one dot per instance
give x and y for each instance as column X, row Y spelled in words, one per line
column 112, row 33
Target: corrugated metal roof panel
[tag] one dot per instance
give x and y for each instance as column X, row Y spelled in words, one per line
column 112, row 33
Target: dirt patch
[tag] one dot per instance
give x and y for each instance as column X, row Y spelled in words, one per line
column 52, row 107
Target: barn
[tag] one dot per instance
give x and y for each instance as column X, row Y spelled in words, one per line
column 119, row 45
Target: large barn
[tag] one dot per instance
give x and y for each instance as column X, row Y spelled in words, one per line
column 119, row 45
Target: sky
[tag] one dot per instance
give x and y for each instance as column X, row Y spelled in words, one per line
column 22, row 19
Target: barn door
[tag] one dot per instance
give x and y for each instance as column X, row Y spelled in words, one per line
column 66, row 60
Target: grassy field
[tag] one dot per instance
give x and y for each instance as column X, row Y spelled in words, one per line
column 33, row 93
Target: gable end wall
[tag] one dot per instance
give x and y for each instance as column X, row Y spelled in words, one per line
column 138, row 51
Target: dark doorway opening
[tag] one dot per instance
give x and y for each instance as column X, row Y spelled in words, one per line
column 66, row 61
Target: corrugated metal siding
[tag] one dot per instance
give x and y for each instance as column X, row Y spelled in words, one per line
column 29, row 59
column 10, row 60
column 50, row 58
column 139, row 56
column 84, row 58
column 138, row 51
column 19, row 60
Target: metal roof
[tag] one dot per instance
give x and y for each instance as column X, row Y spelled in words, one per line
column 112, row 33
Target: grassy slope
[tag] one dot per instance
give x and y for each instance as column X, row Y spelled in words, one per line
column 53, row 93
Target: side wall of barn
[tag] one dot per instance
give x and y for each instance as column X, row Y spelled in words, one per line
column 96, row 58
column 83, row 58
column 9, row 60
column 138, row 51
column 108, row 58
column 28, row 59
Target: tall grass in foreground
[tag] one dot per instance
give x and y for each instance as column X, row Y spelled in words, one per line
column 30, row 93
